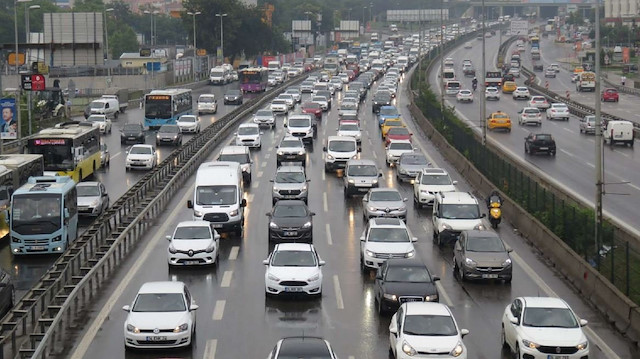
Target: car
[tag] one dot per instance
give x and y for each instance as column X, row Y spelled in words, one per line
column 383, row 202
column 288, row 98
column 542, row 328
column 539, row 142
column 295, row 92
column 105, row 156
column 7, row 292
column 492, row 93
column 508, row 77
column 193, row 243
column 383, row 239
column 290, row 221
column 464, row 96
column 140, row 156
column 509, row 87
column 291, row 149
column 132, row 132
column 327, row 94
column 290, row 182
column 530, row 115
column 322, row 101
column 550, row 72
column 609, row 94
column 233, row 97
column 265, row 117
column 454, row 212
column 306, row 87
column 166, row 305
column 539, row 102
column 336, row 83
column 293, row 268
column 555, row 67
column 100, row 121
column 338, row 151
column 397, row 134
column 390, row 123
column 588, row 124
column 301, row 126
column 515, row 71
column 558, row 111
column 188, row 124
column 482, row 255
column 313, row 108
column 93, row 198
column 381, row 98
column 468, row 45
column 249, row 135
column 359, row 176
column 426, row 327
column 169, row 134
column 521, row 92
column 301, row 347
column 575, row 77
column 350, row 128
column 428, row 183
column 395, row 149
column 240, row 155
column 279, row 106
column 499, row 120
column 387, row 112
column 207, row 103
column 409, row 165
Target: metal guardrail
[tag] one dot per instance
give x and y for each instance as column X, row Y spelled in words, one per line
column 623, row 89
column 35, row 327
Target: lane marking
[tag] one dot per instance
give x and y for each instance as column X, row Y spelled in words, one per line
column 226, row 279
column 264, row 164
column 568, row 130
column 336, row 284
column 444, row 294
column 255, row 184
column 328, row 229
column 210, row 349
column 325, row 202
column 324, row 177
column 566, row 152
column 250, row 197
column 218, row 310
column 116, row 155
column 266, row 157
column 233, row 255
column 622, row 153
column 260, row 173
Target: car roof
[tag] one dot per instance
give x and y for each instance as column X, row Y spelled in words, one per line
column 361, row 162
column 426, row 308
column 293, row 247
column 141, row 145
column 249, row 125
column 194, row 224
column 227, row 150
column 291, row 138
column 162, row 287
column 406, row 262
column 387, row 222
column 544, row 302
column 302, row 347
column 88, row 184
column 384, row 189
column 433, row 171
column 457, row 198
column 290, row 202
column 475, row 233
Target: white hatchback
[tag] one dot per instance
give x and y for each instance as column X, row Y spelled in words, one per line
column 188, row 124
column 492, row 93
column 249, row 134
column 193, row 243
column 293, row 268
column 521, row 92
column 558, row 111
column 530, row 115
column 140, row 156
column 464, row 96
column 395, row 149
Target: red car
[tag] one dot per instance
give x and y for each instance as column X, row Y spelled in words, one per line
column 610, row 94
column 397, row 133
column 312, row 108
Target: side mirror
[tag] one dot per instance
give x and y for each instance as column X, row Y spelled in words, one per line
column 189, row 204
column 168, row 238
column 483, row 215
column 126, row 308
column 379, row 275
column 583, row 322
column 414, row 239
column 324, row 148
column 265, row 262
column 464, row 332
column 359, row 149
column 66, row 213
column 271, row 180
column 321, row 263
column 380, row 174
column 308, row 180
column 404, row 199
column 312, row 213
column 393, row 329
column 435, row 278
column 509, row 249
column 193, row 307
column 513, row 320
column 268, row 214
column 243, row 203
column 362, row 239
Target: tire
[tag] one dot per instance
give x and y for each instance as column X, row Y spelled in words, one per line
column 363, row 268
column 115, row 115
column 461, row 275
column 518, row 356
column 503, row 340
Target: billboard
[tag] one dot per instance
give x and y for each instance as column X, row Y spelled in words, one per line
column 300, row 25
column 519, row 27
column 417, row 15
column 350, row 25
column 9, row 125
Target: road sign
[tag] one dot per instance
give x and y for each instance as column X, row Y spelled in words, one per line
column 519, row 27
column 26, row 82
column 201, row 52
column 37, row 82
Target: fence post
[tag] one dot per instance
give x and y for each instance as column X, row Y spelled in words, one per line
column 613, row 262
column 626, row 252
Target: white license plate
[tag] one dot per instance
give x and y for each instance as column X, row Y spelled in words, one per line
column 132, row 138
column 289, row 196
column 544, row 148
column 290, row 233
column 156, row 339
column 490, row 276
column 191, row 262
column 366, row 189
column 293, row 289
column 557, row 357
column 216, row 225
column 38, row 248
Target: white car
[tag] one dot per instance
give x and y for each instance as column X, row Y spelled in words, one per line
column 543, row 328
column 385, row 238
column 464, row 96
column 530, row 115
column 395, row 149
column 293, row 268
column 141, row 156
column 336, row 83
column 521, row 92
column 279, row 106
column 265, row 117
column 288, row 98
column 492, row 93
column 558, row 111
column 188, row 124
column 193, row 243
column 426, row 327
column 100, row 121
column 322, row 101
column 555, row 67
column 350, row 129
column 539, row 102
column 429, row 182
column 207, row 103
column 295, row 92
column 93, row 198
column 249, row 135
column 162, row 315
column 468, row 45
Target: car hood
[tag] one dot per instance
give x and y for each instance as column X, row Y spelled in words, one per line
column 194, row 244
column 248, row 137
column 166, row 135
column 132, row 133
column 397, row 153
column 462, row 224
column 393, row 247
column 293, row 222
column 488, row 259
column 554, row 336
column 409, row 288
column 290, row 149
column 187, row 124
column 231, row 97
column 264, row 118
column 438, row 188
column 348, row 133
column 87, row 200
column 151, row 320
column 432, row 344
column 293, row 273
column 288, row 186
column 386, row 204
column 138, row 157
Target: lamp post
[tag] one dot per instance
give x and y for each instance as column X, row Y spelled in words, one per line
column 106, row 45
column 441, row 53
column 15, row 29
column 153, row 82
column 221, row 16
column 26, row 20
column 370, row 9
column 483, row 99
column 349, row 14
column 363, row 19
column 194, row 14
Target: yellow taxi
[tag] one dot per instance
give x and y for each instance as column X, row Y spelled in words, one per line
column 500, row 120
column 509, row 86
column 391, row 122
column 578, row 70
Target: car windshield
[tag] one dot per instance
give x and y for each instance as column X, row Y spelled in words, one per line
column 436, row 180
column 389, row 112
column 349, row 127
column 159, row 302
column 289, row 210
column 400, row 146
column 485, row 244
column 549, row 318
column 348, row 105
column 407, row 274
column 534, row 111
column 542, row 137
column 342, row 146
column 216, row 195
column 385, row 196
column 429, row 325
column 500, row 115
column 233, row 93
column 279, row 102
column 264, row 113
column 398, row 131
column 88, row 191
column 362, row 170
column 248, row 130
column 290, row 143
column 96, row 119
column 289, row 177
column 169, row 129
column 459, row 211
column 139, row 150
column 132, row 128
column 299, row 122
column 311, row 105
column 206, row 99
column 187, row 119
column 388, row 235
column 293, row 259
column 413, row 160
column 195, row 232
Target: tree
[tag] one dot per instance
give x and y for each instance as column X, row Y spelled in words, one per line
column 123, row 40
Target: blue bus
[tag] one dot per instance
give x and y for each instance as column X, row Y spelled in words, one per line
column 44, row 215
column 163, row 107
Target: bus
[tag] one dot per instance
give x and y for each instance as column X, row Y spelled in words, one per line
column 253, row 79
column 15, row 170
column 162, row 107
column 44, row 215
column 69, row 149
column 535, row 42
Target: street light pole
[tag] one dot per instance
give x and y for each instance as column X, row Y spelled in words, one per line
column 106, row 45
column 15, row 29
column 221, row 16
column 442, row 58
column 598, row 134
column 194, row 14
column 483, row 107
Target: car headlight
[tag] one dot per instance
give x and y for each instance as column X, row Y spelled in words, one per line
column 122, row 134
column 507, row 262
column 307, row 225
column 300, row 153
column 530, row 344
column 198, row 213
column 280, row 153
column 273, row 225
column 479, row 226
column 446, row 226
column 469, row 262
column 329, row 157
column 431, row 298
column 275, row 190
column 375, row 181
column 158, row 136
column 410, row 254
column 181, row 328
column 402, row 170
column 370, row 253
column 273, row 277
column 211, row 248
column 392, row 297
column 95, row 203
column 351, row 181
column 457, row 350
column 408, row 349
column 172, row 249
column 314, row 278
column 132, row 329
column 233, row 213
column 582, row 346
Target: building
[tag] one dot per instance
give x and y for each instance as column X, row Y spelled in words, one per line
column 624, row 11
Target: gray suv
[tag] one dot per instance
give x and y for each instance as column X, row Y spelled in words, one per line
column 291, row 149
column 482, row 255
column 360, row 176
column 290, row 183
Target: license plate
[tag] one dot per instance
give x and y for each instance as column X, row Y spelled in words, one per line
column 290, row 156
column 544, row 148
column 290, row 233
column 293, row 289
column 289, row 196
column 489, row 276
column 38, row 248
column 156, row 339
column 363, row 189
column 557, row 357
column 216, row 225
column 132, row 138
column 191, row 262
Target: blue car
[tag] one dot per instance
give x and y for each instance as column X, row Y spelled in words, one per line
column 387, row 112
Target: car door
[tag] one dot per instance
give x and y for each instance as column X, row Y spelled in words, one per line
column 379, row 281
column 510, row 329
column 396, row 323
column 363, row 240
column 458, row 249
column 104, row 197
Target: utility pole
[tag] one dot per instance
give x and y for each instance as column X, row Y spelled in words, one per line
column 598, row 134
column 483, row 100
column 442, row 58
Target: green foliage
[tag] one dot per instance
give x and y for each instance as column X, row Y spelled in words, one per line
column 122, row 39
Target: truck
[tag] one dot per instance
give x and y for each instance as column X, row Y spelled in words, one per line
column 586, row 81
column 121, row 94
column 493, row 79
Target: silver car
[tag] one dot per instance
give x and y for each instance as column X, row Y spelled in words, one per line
column 290, row 183
column 93, row 198
column 384, row 202
column 588, row 124
column 409, row 165
column 265, row 117
column 480, row 254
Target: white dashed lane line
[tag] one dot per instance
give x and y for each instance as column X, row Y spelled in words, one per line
column 218, row 310
column 233, row 255
column 226, row 279
column 210, row 349
column 336, row 285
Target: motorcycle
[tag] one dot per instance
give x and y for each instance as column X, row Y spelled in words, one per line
column 475, row 86
column 495, row 213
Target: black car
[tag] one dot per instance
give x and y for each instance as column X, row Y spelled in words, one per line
column 170, row 135
column 132, row 132
column 381, row 98
column 539, row 142
column 233, row 97
column 403, row 280
column 290, row 221
column 6, row 292
column 508, row 77
column 302, row 347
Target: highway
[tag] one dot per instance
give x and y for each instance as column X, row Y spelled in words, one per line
column 235, row 321
column 574, row 164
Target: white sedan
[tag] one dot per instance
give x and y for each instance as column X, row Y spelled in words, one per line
column 396, row 149
column 163, row 315
column 464, row 96
column 140, row 156
column 543, row 328
column 101, row 122
column 492, row 93
column 426, row 327
column 350, row 129
column 193, row 243
column 188, row 123
column 293, row 268
column 558, row 111
column 521, row 92
column 530, row 115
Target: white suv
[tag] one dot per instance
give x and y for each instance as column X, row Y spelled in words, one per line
column 428, row 183
column 454, row 212
column 382, row 239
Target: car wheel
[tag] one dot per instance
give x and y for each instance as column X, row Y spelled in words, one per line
column 508, row 280
column 461, row 274
column 503, row 340
column 518, row 356
column 380, row 307
column 363, row 268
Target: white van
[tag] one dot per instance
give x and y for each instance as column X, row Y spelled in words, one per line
column 207, row 103
column 219, row 76
column 448, row 75
column 403, row 62
column 273, row 65
column 454, row 212
column 338, row 151
column 217, row 197
column 105, row 106
column 452, row 87
column 240, row 155
column 620, row 132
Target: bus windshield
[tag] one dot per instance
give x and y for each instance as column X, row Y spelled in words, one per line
column 157, row 108
column 251, row 77
column 36, row 214
column 56, row 152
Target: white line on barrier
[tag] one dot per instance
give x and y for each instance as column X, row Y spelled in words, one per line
column 233, row 255
column 328, row 229
column 325, row 202
column 210, row 349
column 218, row 310
column 336, row 284
column 226, row 279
